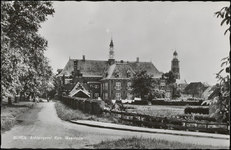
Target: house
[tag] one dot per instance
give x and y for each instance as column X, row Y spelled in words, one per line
column 108, row 79
column 181, row 84
column 195, row 89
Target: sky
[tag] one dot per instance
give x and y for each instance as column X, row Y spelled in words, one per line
column 151, row 31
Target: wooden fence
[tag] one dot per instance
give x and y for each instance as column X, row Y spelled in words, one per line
column 91, row 106
column 174, row 122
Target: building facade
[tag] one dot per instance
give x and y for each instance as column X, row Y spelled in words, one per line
column 107, row 79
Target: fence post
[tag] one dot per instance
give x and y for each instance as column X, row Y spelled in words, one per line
column 186, row 126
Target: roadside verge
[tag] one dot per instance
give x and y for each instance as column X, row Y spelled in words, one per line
column 149, row 130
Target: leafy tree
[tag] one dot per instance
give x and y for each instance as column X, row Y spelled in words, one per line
column 142, row 84
column 221, row 104
column 169, row 77
column 170, row 81
column 24, row 66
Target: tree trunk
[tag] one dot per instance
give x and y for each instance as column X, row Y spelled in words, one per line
column 15, row 99
column 20, row 98
column 9, row 101
column 33, row 97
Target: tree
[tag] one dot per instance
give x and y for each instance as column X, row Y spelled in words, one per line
column 221, row 104
column 24, row 65
column 170, row 81
column 142, row 84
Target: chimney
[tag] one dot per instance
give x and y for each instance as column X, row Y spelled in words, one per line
column 83, row 57
column 137, row 59
column 63, row 78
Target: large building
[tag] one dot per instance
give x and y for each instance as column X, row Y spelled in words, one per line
column 108, row 79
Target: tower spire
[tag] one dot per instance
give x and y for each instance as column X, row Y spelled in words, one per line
column 111, row 53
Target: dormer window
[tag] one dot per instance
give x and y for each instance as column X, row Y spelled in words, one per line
column 116, row 74
column 129, row 74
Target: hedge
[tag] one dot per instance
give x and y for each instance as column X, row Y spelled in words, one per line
column 199, row 110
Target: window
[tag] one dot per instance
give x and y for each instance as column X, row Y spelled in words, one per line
column 118, row 86
column 105, row 95
column 96, row 86
column 129, row 86
column 118, row 83
column 96, row 95
column 106, row 86
column 67, row 81
column 116, row 74
column 129, row 96
column 118, row 96
column 129, row 74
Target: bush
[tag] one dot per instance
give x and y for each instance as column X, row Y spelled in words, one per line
column 200, row 110
column 204, row 117
column 140, row 102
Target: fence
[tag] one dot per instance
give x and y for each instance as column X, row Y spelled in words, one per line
column 87, row 105
column 174, row 122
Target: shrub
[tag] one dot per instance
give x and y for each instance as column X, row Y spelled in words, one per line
column 142, row 102
column 200, row 110
column 203, row 117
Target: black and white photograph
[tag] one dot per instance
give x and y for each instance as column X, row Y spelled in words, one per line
column 115, row 74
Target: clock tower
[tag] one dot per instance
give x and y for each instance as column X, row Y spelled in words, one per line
column 175, row 68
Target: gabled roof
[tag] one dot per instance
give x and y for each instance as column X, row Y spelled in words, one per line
column 90, row 68
column 194, row 87
column 77, row 88
column 132, row 67
column 121, row 68
column 97, row 68
column 148, row 66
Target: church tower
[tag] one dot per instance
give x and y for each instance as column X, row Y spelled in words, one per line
column 175, row 65
column 111, row 59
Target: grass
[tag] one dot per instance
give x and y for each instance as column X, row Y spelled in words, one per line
column 9, row 113
column 158, row 110
column 66, row 113
column 149, row 143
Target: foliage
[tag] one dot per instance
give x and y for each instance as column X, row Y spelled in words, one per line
column 224, row 13
column 142, row 84
column 170, row 81
column 220, row 105
column 169, row 77
column 199, row 110
column 204, row 117
column 24, row 66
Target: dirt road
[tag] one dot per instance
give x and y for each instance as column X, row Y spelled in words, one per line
column 40, row 127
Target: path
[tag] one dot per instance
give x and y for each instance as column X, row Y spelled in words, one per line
column 40, row 127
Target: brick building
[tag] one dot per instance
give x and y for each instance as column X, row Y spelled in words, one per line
column 108, row 79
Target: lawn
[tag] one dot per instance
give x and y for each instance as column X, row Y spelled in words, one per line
column 149, row 143
column 9, row 113
column 157, row 110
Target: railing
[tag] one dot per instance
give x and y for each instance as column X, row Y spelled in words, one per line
column 172, row 122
